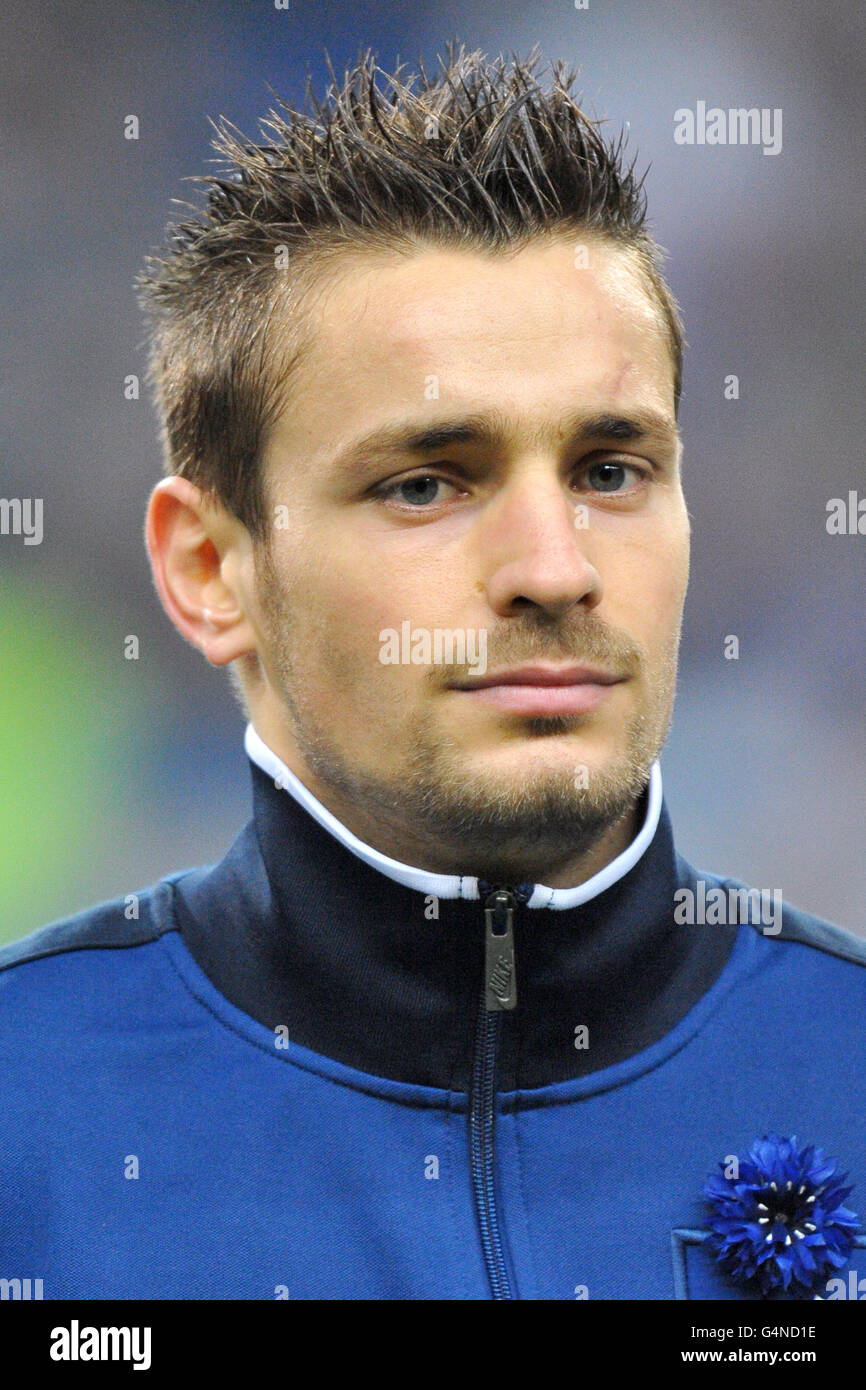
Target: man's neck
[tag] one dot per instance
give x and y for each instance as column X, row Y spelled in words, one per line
column 575, row 869
column 390, row 834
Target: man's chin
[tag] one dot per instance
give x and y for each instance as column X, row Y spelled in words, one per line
column 523, row 810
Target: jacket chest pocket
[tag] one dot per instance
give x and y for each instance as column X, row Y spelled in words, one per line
column 697, row 1276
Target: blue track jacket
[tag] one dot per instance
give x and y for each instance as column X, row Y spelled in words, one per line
column 290, row 1076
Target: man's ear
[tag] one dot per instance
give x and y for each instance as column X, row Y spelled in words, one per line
column 197, row 550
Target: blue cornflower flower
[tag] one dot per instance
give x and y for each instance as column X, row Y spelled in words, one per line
column 779, row 1225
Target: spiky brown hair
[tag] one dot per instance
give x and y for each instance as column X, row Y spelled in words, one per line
column 480, row 155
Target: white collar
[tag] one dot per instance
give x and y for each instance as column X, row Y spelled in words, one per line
column 457, row 885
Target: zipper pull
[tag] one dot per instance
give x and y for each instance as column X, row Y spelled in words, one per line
column 500, row 975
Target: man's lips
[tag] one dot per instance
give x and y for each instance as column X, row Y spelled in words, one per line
column 541, row 689
column 540, row 675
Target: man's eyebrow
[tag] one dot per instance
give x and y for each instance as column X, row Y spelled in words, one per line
column 395, row 441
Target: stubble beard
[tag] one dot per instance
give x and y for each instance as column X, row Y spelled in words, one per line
column 499, row 827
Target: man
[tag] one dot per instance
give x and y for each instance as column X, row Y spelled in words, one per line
column 451, row 1019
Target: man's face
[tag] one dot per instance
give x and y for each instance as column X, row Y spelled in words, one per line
column 537, row 532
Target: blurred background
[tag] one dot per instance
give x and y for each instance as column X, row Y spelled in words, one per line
column 115, row 772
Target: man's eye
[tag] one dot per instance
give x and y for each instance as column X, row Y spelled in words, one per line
column 611, row 476
column 418, row 492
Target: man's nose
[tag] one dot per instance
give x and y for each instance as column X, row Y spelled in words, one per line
column 535, row 553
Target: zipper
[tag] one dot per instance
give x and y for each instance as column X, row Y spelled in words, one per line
column 498, row 995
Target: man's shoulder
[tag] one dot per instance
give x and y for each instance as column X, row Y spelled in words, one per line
column 778, row 921
column 808, row 930
column 135, row 919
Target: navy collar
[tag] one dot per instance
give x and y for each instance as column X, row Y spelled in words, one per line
column 301, row 933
